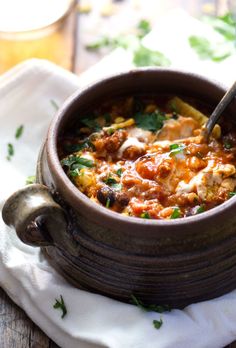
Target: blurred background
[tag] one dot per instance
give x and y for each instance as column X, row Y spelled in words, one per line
column 76, row 34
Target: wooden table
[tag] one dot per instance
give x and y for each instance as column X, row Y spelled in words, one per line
column 16, row 329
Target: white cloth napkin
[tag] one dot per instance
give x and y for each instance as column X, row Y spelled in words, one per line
column 92, row 321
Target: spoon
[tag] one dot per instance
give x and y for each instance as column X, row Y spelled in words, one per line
column 225, row 101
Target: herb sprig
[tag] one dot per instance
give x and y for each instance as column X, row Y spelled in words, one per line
column 151, row 307
column 60, row 304
column 75, row 164
column 150, row 121
column 19, row 132
column 176, row 148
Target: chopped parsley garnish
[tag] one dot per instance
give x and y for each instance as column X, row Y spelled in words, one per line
column 119, row 172
column 30, row 180
column 176, row 148
column 78, row 147
column 110, row 180
column 54, row 104
column 157, row 323
column 200, row 209
column 10, row 151
column 176, row 214
column 76, row 163
column 60, row 304
column 145, row 215
column 150, row 121
column 151, row 307
column 231, row 194
column 19, row 132
column 90, row 122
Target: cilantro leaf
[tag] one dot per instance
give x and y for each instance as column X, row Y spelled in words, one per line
column 144, row 27
column 78, row 147
column 157, row 323
column 231, row 194
column 110, row 180
column 30, row 180
column 10, row 151
column 119, row 172
column 143, row 56
column 205, row 50
column 90, row 122
column 145, row 215
column 176, row 148
column 151, row 307
column 200, row 209
column 19, row 132
column 60, row 304
column 152, row 121
column 75, row 164
column 176, row 213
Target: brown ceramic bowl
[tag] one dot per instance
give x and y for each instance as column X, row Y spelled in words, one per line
column 174, row 262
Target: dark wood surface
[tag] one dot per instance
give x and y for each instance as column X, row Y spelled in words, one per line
column 16, row 329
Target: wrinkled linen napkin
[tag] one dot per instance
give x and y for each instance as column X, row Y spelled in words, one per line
column 92, row 321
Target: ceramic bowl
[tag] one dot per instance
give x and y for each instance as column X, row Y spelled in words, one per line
column 175, row 262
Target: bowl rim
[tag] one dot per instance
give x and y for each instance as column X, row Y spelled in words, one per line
column 78, row 199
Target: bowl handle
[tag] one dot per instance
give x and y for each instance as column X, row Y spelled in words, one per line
column 37, row 218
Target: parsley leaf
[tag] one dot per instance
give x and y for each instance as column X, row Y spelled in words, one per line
column 110, row 180
column 145, row 215
column 119, row 172
column 90, row 122
column 176, row 213
column 176, row 148
column 152, row 121
column 78, row 147
column 205, row 50
column 200, row 209
column 157, row 323
column 143, row 56
column 143, row 27
column 19, row 132
column 231, row 194
column 151, row 307
column 76, row 163
column 60, row 304
column 10, row 151
column 30, row 180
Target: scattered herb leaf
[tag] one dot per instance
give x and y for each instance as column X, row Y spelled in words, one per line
column 231, row 194
column 119, row 172
column 157, row 323
column 152, row 121
column 54, row 104
column 110, row 180
column 90, row 122
column 143, row 27
column 60, row 304
column 78, row 147
column 200, row 209
column 151, row 307
column 205, row 49
column 175, row 214
column 145, row 215
column 176, row 148
column 143, row 56
column 10, row 151
column 30, row 180
column 76, row 163
column 116, row 187
column 19, row 132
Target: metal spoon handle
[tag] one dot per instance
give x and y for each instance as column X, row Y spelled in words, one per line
column 227, row 98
